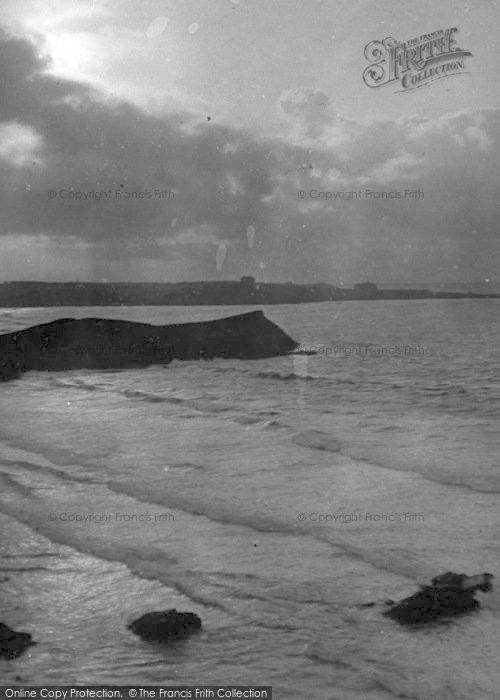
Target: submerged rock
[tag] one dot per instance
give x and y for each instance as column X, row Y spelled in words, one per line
column 166, row 625
column 94, row 343
column 449, row 595
column 13, row 644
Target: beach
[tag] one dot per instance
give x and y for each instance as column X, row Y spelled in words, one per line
column 274, row 498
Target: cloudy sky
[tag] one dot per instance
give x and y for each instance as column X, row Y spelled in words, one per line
column 197, row 122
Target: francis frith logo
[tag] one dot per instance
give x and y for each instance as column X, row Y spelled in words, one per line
column 416, row 62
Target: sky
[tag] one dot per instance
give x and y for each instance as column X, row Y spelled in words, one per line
column 172, row 140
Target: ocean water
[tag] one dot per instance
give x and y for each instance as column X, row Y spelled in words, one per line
column 272, row 497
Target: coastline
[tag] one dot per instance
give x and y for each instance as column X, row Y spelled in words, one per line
column 246, row 292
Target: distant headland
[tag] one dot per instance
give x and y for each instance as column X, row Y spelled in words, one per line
column 246, row 291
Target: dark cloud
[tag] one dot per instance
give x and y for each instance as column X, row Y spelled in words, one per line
column 57, row 134
column 88, row 143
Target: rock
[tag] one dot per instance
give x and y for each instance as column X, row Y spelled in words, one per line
column 95, row 343
column 13, row 644
column 165, row 626
column 449, row 595
column 480, row 582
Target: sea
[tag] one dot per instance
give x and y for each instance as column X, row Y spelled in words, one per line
column 283, row 500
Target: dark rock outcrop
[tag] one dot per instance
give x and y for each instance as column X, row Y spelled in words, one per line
column 165, row 626
column 449, row 595
column 94, row 343
column 13, row 644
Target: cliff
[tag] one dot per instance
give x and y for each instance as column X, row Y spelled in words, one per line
column 95, row 343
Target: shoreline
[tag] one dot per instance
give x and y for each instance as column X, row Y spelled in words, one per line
column 246, row 292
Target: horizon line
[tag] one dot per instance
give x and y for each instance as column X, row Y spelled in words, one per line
column 240, row 281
